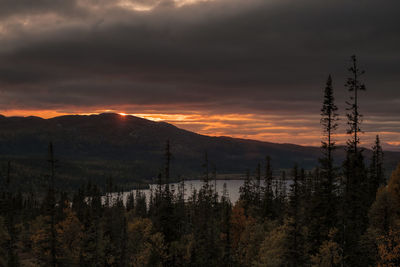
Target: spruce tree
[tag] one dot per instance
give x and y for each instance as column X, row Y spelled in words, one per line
column 124, row 240
column 324, row 202
column 257, row 192
column 51, row 207
column 206, row 170
column 376, row 171
column 295, row 254
column 268, row 195
column 354, row 86
column 130, row 202
column 280, row 197
column 246, row 194
column 356, row 192
column 140, row 204
column 180, row 209
column 10, row 210
column 206, row 249
column 167, row 218
column 329, row 119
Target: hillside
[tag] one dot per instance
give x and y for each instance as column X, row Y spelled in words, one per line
column 131, row 149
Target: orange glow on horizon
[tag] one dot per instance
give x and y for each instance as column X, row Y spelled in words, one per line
column 304, row 130
column 45, row 114
column 394, row 143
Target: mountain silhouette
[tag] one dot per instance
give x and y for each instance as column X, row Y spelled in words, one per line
column 131, row 148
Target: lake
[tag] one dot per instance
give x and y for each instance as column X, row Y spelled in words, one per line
column 232, row 186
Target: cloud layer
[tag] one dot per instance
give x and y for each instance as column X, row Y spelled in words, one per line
column 220, row 58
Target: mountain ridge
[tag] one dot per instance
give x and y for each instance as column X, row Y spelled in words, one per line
column 132, row 148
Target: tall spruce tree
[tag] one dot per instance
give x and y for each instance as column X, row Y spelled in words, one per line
column 162, row 215
column 329, row 118
column 167, row 218
column 324, row 203
column 354, row 86
column 226, row 210
column 356, row 192
column 206, row 248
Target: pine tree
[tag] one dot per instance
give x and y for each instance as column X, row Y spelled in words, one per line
column 324, row 202
column 51, row 206
column 140, row 204
column 130, row 202
column 279, row 197
column 206, row 248
column 356, row 192
column 206, row 177
column 61, row 206
column 4, row 239
column 168, row 224
column 78, row 203
column 124, row 240
column 295, row 253
column 162, row 212
column 268, row 195
column 10, row 220
column 257, row 193
column 167, row 164
column 226, row 210
column 376, row 171
column 214, row 176
column 329, row 123
column 180, row 209
column 354, row 85
column 91, row 209
column 246, row 194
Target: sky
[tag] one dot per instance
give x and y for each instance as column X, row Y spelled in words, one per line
column 250, row 69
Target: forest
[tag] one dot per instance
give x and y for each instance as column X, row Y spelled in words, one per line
column 337, row 214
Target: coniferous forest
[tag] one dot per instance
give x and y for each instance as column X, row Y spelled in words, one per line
column 337, row 214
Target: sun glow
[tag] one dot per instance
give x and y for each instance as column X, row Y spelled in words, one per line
column 136, row 6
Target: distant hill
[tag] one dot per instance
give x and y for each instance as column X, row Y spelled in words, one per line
column 131, row 149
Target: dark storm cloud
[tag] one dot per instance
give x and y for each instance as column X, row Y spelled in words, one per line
column 10, row 8
column 219, row 56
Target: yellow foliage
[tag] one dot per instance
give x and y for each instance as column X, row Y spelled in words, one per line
column 389, row 249
column 69, row 237
column 239, row 223
column 394, row 185
column 382, row 214
column 40, row 238
column 181, row 250
column 144, row 246
column 4, row 237
column 273, row 248
column 250, row 242
column 384, row 222
column 329, row 253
